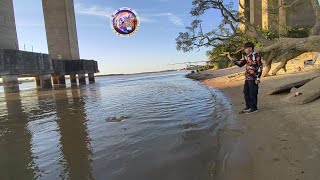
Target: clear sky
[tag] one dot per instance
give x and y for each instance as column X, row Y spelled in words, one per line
column 152, row 48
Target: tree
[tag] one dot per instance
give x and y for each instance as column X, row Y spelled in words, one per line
column 228, row 33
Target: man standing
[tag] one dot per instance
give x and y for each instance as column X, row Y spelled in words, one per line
column 252, row 62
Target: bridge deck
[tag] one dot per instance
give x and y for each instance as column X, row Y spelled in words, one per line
column 23, row 63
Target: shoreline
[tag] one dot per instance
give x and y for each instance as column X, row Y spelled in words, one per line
column 282, row 141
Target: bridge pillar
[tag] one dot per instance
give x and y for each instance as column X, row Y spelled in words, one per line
column 256, row 12
column 10, row 83
column 62, row 80
column 242, row 11
column 8, row 40
column 58, row 81
column 55, row 80
column 82, row 79
column 91, row 78
column 73, row 79
column 37, row 81
column 45, row 81
column 61, row 29
column 61, row 33
column 8, row 33
column 265, row 14
column 282, row 18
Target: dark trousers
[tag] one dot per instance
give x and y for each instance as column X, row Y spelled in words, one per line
column 250, row 91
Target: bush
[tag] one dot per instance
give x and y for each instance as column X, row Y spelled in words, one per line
column 298, row 32
column 201, row 68
column 220, row 64
column 267, row 34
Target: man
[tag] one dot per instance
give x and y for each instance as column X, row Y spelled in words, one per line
column 252, row 62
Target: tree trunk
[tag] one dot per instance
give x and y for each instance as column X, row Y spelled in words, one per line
column 309, row 44
column 282, row 65
column 268, row 61
column 266, row 69
column 284, row 58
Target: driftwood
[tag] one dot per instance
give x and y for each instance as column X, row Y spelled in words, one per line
column 289, row 86
column 305, row 94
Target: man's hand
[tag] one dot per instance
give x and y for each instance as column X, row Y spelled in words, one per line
column 257, row 81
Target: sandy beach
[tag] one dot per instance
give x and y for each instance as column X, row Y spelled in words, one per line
column 281, row 142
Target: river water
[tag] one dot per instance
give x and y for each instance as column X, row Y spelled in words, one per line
column 168, row 130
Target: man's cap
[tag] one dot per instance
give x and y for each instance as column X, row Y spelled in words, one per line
column 249, row 44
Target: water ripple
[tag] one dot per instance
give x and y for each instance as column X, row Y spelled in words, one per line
column 167, row 131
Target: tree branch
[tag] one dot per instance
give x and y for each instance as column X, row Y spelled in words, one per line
column 254, row 32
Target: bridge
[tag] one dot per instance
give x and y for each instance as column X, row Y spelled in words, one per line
column 49, row 70
column 277, row 15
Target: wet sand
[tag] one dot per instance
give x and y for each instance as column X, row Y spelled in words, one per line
column 281, row 142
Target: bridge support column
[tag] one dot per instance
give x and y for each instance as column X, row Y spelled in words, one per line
column 73, row 79
column 59, row 81
column 45, row 81
column 55, row 80
column 10, row 83
column 91, row 78
column 82, row 79
column 8, row 32
column 62, row 80
column 282, row 19
column 242, row 5
column 37, row 81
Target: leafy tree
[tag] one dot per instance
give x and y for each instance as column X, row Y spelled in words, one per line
column 228, row 36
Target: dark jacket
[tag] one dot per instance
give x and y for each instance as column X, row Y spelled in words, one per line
column 253, row 66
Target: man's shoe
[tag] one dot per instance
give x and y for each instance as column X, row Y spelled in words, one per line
column 253, row 111
column 247, row 109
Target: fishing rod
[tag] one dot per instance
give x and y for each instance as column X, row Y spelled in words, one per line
column 190, row 62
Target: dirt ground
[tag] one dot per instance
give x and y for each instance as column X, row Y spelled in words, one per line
column 281, row 142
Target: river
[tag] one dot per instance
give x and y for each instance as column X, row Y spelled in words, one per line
column 159, row 126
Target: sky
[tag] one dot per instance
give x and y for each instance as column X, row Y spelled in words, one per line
column 152, row 48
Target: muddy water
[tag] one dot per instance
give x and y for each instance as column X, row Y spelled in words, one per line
column 149, row 126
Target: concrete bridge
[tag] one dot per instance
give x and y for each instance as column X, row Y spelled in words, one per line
column 273, row 16
column 48, row 69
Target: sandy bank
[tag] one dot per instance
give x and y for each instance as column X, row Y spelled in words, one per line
column 281, row 142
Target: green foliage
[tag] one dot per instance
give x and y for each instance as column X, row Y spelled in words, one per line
column 298, row 32
column 267, row 34
column 221, row 64
column 233, row 45
column 216, row 60
column 201, row 68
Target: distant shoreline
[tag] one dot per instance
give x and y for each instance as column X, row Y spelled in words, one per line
column 105, row 75
column 154, row 72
